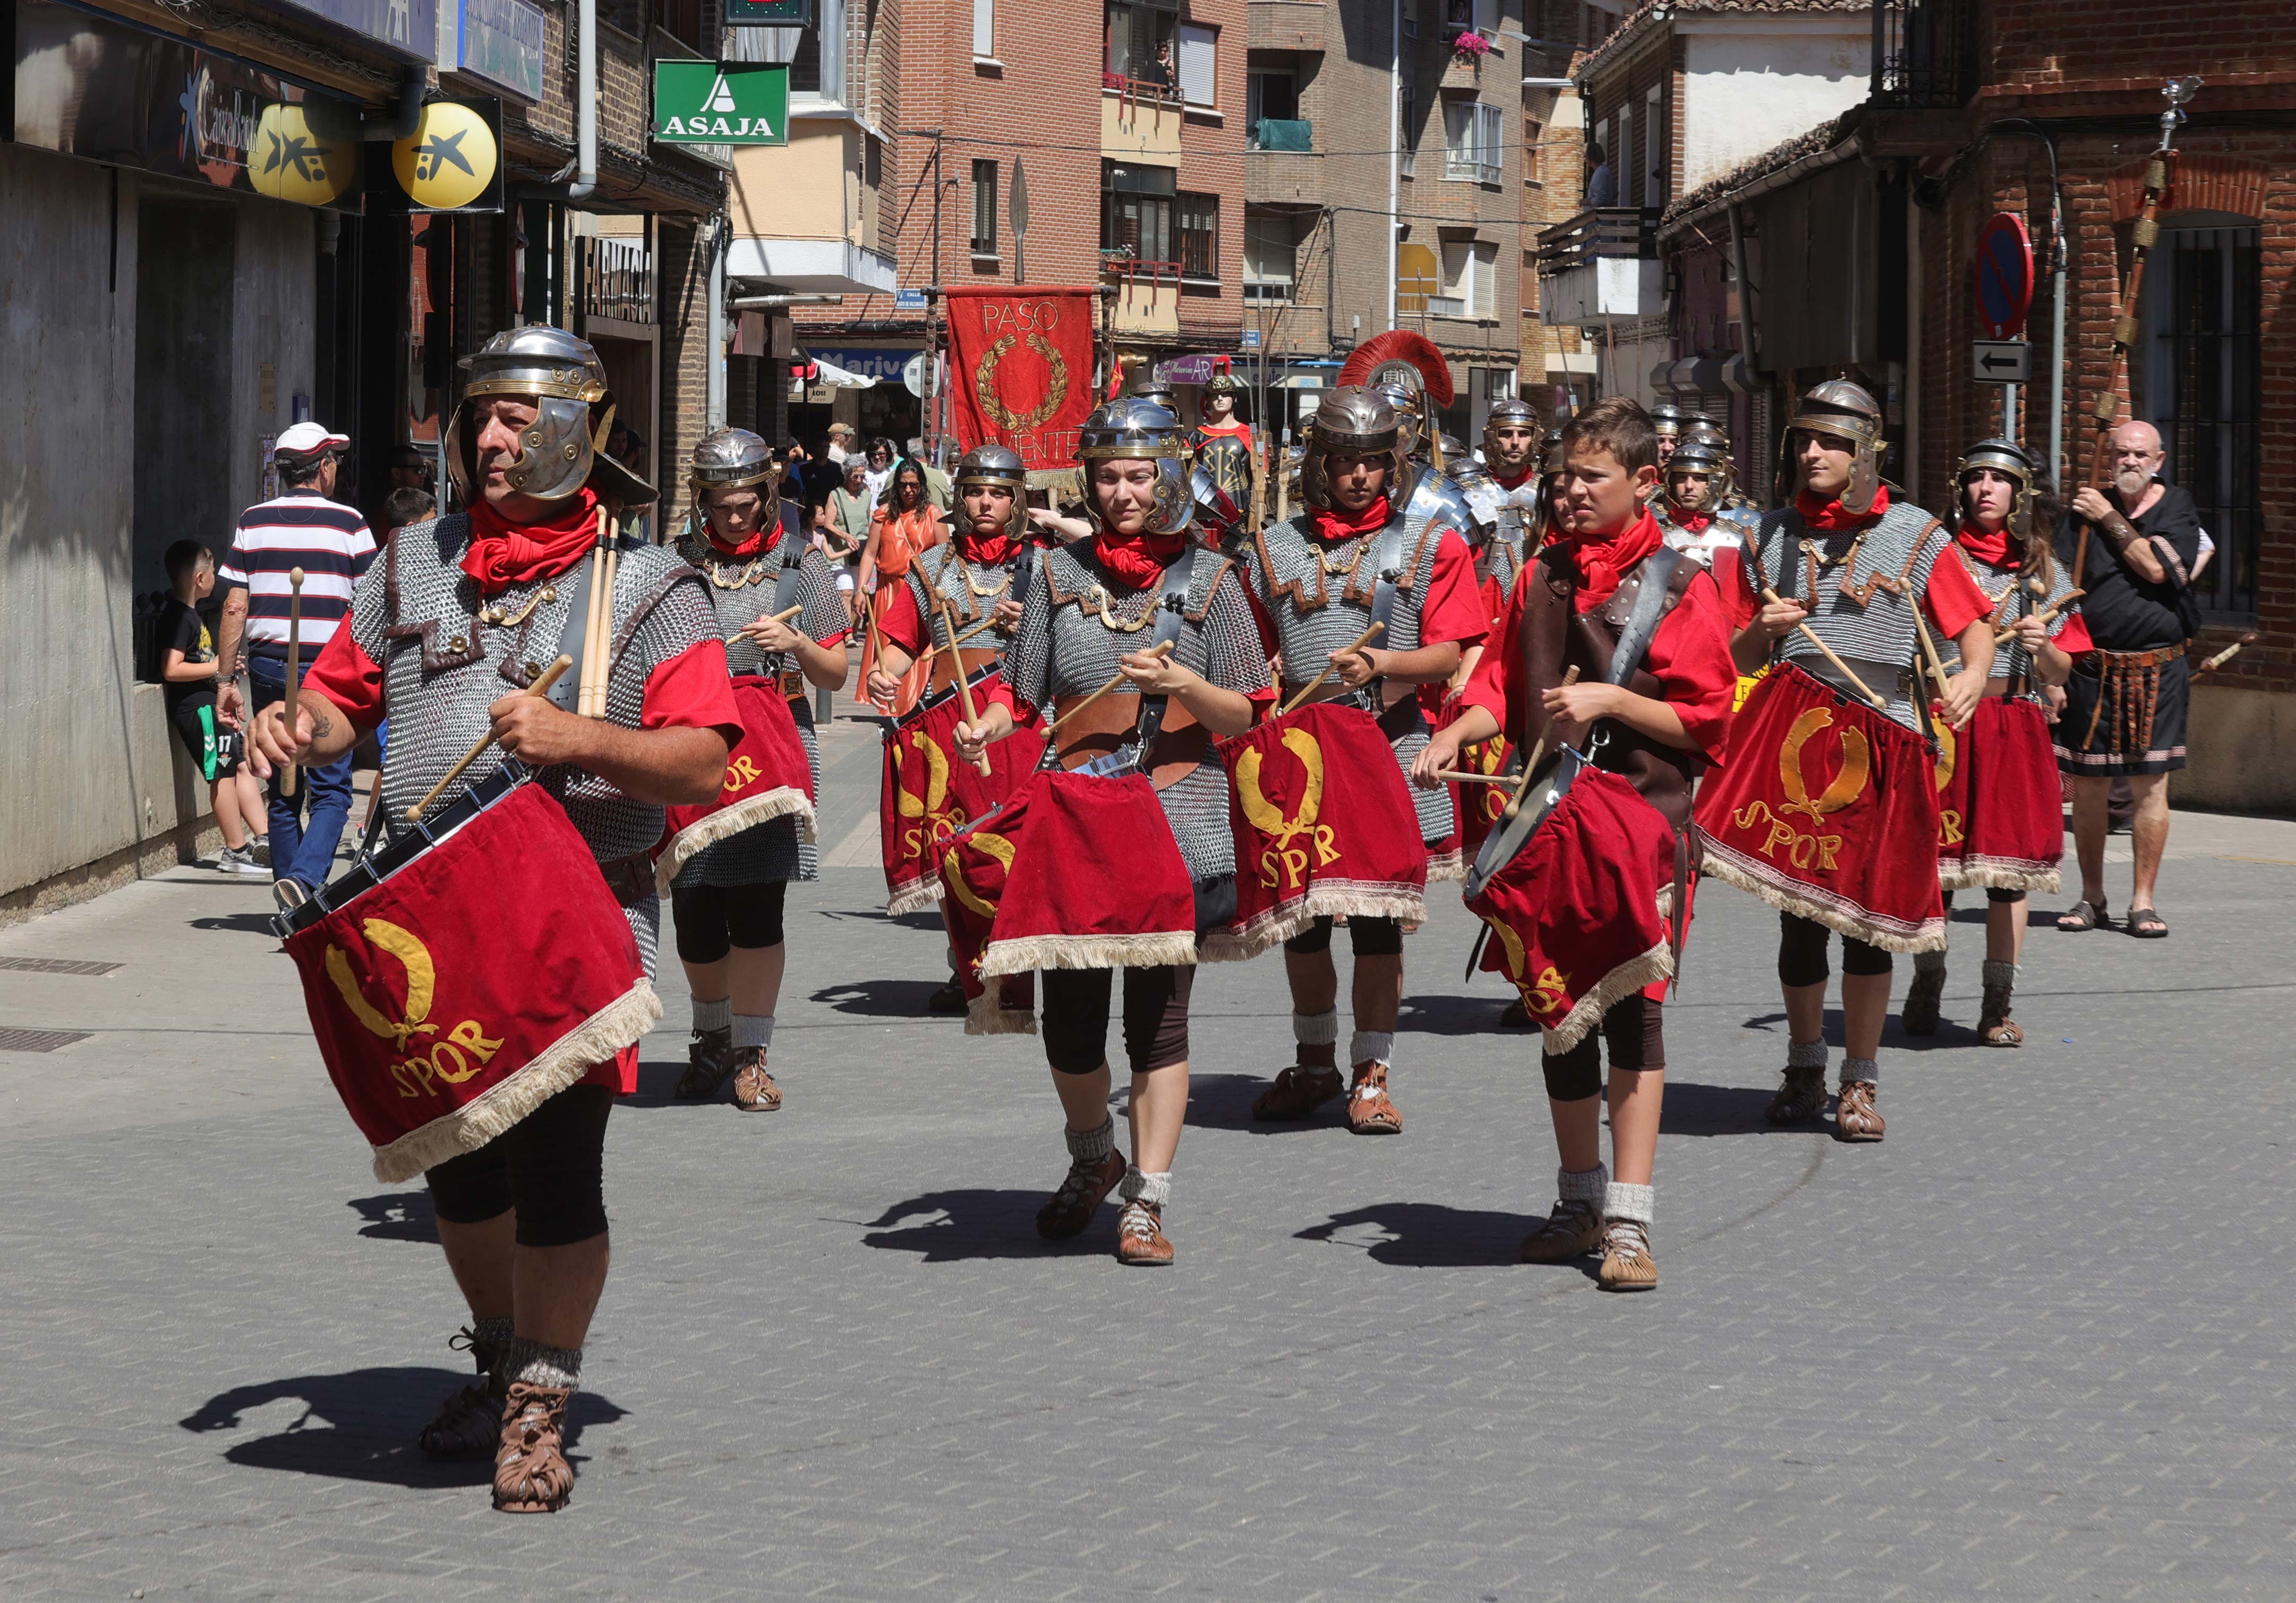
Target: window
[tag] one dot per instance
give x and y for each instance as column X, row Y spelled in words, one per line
column 2202, row 383
column 1271, row 249
column 1480, row 15
column 1407, row 124
column 1655, row 165
column 816, row 56
column 1534, row 170
column 984, row 29
column 1135, row 35
column 1135, row 212
column 1198, row 47
column 681, row 19
column 1469, row 277
column 984, row 209
column 1199, row 233
column 1471, row 135
column 1273, row 94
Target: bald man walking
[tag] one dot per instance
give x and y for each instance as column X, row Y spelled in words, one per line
column 2125, row 704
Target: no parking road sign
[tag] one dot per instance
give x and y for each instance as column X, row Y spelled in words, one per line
column 2004, row 275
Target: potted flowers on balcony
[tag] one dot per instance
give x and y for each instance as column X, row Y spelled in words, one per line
column 1471, row 48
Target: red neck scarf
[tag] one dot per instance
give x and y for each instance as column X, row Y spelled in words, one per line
column 1138, row 560
column 1519, row 480
column 1693, row 523
column 989, row 550
column 1604, row 560
column 1989, row 549
column 1331, row 524
column 763, row 540
column 503, row 554
column 1827, row 517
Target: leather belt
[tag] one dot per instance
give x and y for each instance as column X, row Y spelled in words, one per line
column 630, row 878
column 792, row 685
column 1879, row 675
column 2137, row 659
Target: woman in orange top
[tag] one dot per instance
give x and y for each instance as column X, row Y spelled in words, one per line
column 905, row 525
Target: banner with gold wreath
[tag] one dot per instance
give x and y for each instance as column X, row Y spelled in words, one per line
column 1020, row 369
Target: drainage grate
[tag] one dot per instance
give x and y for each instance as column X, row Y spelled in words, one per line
column 39, row 1040
column 59, row 966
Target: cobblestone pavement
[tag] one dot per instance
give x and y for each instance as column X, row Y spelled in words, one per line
column 2035, row 1345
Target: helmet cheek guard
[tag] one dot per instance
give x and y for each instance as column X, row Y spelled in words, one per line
column 1845, row 411
column 1130, row 429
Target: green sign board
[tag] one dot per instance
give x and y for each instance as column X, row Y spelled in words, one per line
column 769, row 14
column 720, row 102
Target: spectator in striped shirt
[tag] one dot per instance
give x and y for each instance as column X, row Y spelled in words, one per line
column 302, row 529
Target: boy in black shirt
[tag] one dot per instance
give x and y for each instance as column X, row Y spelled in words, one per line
column 188, row 671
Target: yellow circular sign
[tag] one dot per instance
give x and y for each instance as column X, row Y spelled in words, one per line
column 291, row 160
column 449, row 160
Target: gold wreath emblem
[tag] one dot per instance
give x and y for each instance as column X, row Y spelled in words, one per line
column 936, row 778
column 421, row 982
column 997, row 846
column 1948, row 753
column 1848, row 785
column 1264, row 815
column 984, row 385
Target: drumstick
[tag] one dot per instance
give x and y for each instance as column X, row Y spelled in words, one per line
column 1930, row 650
column 783, row 616
column 1523, row 781
column 2047, row 615
column 540, row 687
column 1465, row 777
column 294, row 662
column 981, row 765
column 582, row 695
column 1330, row 667
column 876, row 647
column 611, row 563
column 1841, row 667
column 1163, row 648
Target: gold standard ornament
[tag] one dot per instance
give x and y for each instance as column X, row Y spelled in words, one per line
column 450, row 158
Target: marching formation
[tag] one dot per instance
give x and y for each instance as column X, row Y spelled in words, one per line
column 1579, row 673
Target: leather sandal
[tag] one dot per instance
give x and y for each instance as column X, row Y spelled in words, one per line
column 1299, row 1090
column 531, row 1474
column 754, row 1090
column 1571, row 1229
column 2147, row 925
column 1801, row 1100
column 468, row 1424
column 2084, row 916
column 1995, row 1027
column 1919, row 1014
column 1140, row 1238
column 1371, row 1111
column 1072, row 1207
column 1626, row 1261
column 708, row 1059
column 1855, row 1116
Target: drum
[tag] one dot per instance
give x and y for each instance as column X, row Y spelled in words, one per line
column 1829, row 811
column 2001, row 822
column 462, row 977
column 1325, row 827
column 926, row 791
column 766, row 777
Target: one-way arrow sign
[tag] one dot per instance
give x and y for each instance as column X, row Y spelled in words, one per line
column 2001, row 361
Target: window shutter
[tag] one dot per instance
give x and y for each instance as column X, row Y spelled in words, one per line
column 1197, row 51
column 984, row 27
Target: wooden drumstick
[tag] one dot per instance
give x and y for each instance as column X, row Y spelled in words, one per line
column 1331, row 668
column 1538, row 749
column 981, row 765
column 1841, row 667
column 2047, row 615
column 540, row 687
column 1465, row 777
column 783, row 616
column 1930, row 650
column 1161, row 649
column 294, row 665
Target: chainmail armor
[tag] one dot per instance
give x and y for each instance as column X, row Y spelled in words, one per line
column 942, row 569
column 2000, row 586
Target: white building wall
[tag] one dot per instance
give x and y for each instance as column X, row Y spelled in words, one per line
column 1751, row 82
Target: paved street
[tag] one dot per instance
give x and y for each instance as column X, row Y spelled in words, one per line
column 2035, row 1345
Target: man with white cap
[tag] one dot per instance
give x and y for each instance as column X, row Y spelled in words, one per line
column 299, row 528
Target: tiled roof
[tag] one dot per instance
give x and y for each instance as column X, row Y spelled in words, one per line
column 1642, row 22
column 1824, row 136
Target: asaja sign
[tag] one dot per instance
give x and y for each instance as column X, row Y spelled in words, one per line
column 721, row 102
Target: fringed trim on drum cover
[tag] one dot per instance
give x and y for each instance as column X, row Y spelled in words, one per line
column 1445, row 865
column 618, row 1024
column 2004, row 873
column 1726, row 866
column 1325, row 898
column 1088, row 951
column 986, row 1015
column 727, row 822
column 919, row 895
column 1615, row 986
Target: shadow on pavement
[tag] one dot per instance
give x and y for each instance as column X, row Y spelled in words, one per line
column 360, row 1425
column 950, row 1226
column 1949, row 1036
column 1692, row 1109
column 397, row 1216
column 1426, row 1234
column 243, row 924
column 1440, row 1014
column 1224, row 1102
column 883, row 998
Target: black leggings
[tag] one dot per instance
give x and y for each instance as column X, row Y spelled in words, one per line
column 1802, row 952
column 1371, row 937
column 1635, row 1031
column 1155, row 1016
column 550, row 1166
column 714, row 919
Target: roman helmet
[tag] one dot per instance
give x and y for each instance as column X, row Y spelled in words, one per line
column 1146, row 386
column 2003, row 456
column 1130, row 429
column 1222, row 381
column 1698, row 454
column 564, row 447
column 1417, row 377
column 735, row 459
column 1845, row 411
column 1353, row 421
column 1509, row 412
column 1666, row 417
column 1698, row 426
column 1000, row 467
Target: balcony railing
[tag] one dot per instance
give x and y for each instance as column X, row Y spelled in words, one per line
column 1283, row 133
column 1615, row 233
column 1924, row 53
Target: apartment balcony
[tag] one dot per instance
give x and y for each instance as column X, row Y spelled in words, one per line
column 1147, row 302
column 1601, row 267
column 1140, row 122
column 1925, row 53
column 1288, row 24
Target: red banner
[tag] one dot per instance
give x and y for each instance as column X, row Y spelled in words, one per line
column 2001, row 822
column 473, row 985
column 927, row 791
column 1020, row 369
column 1827, row 809
column 766, row 777
column 1576, row 916
column 1324, row 826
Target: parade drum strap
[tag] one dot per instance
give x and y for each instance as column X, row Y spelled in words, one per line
column 575, row 586
column 977, row 673
column 1168, row 624
column 785, row 582
column 976, row 663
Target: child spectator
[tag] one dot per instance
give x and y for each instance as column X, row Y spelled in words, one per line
column 402, row 507
column 187, row 669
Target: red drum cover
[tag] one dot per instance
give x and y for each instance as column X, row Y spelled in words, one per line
column 766, row 776
column 973, row 869
column 477, row 982
column 927, row 791
column 1827, row 809
column 1578, row 919
column 1324, row 827
column 1095, row 879
column 2001, row 823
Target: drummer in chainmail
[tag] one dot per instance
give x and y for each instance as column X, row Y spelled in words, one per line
column 1088, row 614
column 727, row 898
column 446, row 631
column 1350, row 557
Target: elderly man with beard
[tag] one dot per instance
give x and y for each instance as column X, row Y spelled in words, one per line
column 2125, row 704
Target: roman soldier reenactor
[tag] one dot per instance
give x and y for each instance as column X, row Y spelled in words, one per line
column 1668, row 419
column 1219, row 419
column 1697, row 479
